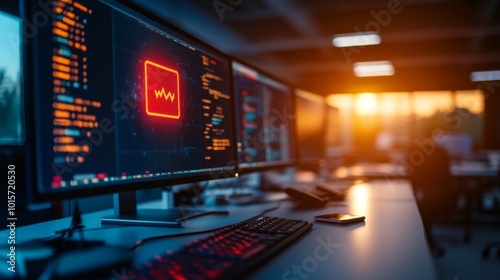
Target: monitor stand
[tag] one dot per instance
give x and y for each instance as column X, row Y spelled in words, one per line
column 269, row 190
column 126, row 212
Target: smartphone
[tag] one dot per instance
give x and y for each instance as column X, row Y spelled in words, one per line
column 339, row 218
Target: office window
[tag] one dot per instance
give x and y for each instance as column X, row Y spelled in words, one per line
column 393, row 120
column 382, row 120
column 431, row 109
column 454, row 111
column 345, row 104
column 429, row 103
column 471, row 100
column 366, row 120
column 469, row 117
column 366, row 104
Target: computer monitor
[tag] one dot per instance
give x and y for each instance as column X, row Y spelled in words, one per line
column 265, row 120
column 123, row 101
column 11, row 92
column 458, row 145
column 12, row 132
column 333, row 137
column 311, row 122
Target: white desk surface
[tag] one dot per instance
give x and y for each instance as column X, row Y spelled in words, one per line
column 390, row 244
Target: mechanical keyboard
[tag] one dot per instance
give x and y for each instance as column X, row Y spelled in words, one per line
column 227, row 253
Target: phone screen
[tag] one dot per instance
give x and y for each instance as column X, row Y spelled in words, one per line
column 339, row 218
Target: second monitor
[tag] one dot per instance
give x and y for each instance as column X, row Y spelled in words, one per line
column 265, row 120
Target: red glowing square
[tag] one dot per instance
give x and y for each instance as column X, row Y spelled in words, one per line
column 162, row 91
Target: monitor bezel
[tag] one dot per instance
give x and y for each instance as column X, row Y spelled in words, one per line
column 33, row 168
column 271, row 166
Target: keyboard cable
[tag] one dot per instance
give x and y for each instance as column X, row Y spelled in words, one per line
column 145, row 240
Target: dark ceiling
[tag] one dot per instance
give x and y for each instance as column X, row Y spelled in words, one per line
column 433, row 44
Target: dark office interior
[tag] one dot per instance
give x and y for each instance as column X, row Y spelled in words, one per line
column 250, row 139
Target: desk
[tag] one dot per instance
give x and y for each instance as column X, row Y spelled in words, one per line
column 390, row 244
column 459, row 170
column 473, row 169
column 369, row 171
column 468, row 176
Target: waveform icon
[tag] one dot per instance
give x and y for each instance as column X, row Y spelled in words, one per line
column 162, row 91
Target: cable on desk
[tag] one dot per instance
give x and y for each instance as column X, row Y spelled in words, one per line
column 145, row 240
column 64, row 235
column 277, row 206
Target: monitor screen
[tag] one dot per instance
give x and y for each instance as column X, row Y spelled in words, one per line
column 11, row 98
column 458, row 145
column 311, row 118
column 264, row 119
column 333, row 139
column 124, row 102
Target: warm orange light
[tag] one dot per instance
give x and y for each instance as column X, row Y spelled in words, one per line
column 394, row 104
column 472, row 100
column 358, row 203
column 427, row 103
column 341, row 172
column 366, row 104
column 343, row 101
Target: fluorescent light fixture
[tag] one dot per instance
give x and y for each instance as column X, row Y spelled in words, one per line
column 356, row 39
column 373, row 68
column 485, row 76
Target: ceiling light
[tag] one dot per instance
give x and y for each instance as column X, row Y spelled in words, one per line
column 356, row 39
column 485, row 76
column 373, row 68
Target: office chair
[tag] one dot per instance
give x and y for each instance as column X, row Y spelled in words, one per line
column 496, row 244
column 489, row 247
column 430, row 177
